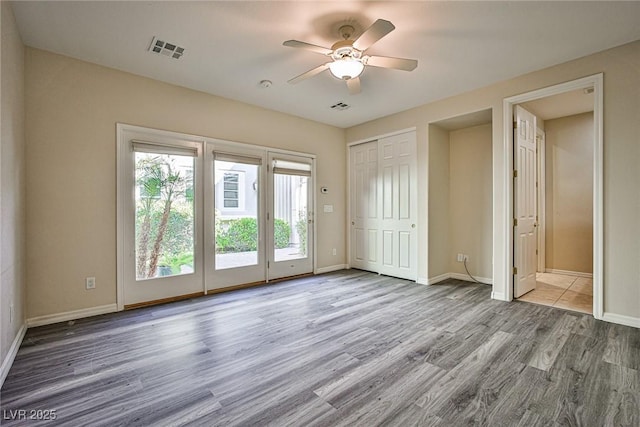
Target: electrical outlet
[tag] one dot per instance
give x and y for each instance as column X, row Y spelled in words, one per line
column 465, row 257
column 335, row 252
column 90, row 282
column 460, row 258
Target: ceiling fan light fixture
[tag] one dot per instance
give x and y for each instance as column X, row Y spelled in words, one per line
column 346, row 68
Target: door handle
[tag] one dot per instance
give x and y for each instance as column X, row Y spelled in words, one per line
column 353, row 223
column 413, row 226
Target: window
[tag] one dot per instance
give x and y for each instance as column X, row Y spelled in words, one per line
column 231, row 197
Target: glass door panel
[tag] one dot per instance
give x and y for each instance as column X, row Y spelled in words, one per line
column 164, row 215
column 236, row 214
column 290, row 217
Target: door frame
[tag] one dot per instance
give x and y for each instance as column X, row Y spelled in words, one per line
column 541, row 192
column 506, row 246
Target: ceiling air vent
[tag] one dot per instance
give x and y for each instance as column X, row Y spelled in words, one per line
column 340, row 106
column 165, row 48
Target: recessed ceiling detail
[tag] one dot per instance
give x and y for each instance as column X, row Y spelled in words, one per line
column 165, row 48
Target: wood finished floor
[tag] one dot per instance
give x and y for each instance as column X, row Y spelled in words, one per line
column 341, row 349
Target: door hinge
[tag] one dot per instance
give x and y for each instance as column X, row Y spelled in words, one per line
column 515, row 124
column 268, row 264
column 267, row 216
column 515, row 222
column 515, row 173
column 536, row 252
column 515, row 270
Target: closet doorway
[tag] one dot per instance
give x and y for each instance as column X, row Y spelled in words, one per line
column 383, row 206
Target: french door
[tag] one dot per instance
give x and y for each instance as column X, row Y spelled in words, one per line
column 290, row 219
column 234, row 211
column 160, row 204
column 199, row 215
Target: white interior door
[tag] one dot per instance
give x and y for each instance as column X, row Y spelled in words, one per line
column 161, row 184
column 235, row 226
column 397, row 204
column 525, row 226
column 364, row 206
column 290, row 215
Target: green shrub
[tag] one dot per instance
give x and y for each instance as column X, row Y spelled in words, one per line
column 281, row 233
column 241, row 235
column 301, row 228
column 175, row 262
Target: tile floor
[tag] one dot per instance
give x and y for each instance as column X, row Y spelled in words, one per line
column 559, row 290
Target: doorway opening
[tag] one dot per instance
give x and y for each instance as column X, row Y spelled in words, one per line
column 555, row 195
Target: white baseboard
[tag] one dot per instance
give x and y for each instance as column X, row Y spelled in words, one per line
column 71, row 315
column 331, row 268
column 568, row 273
column 621, row 319
column 11, row 355
column 458, row 276
column 465, row 277
column 439, row 278
column 500, row 296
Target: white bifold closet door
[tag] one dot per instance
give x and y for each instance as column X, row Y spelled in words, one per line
column 384, row 206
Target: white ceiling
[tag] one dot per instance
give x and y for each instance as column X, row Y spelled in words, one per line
column 232, row 45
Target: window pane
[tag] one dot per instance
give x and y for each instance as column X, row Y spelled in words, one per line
column 290, row 217
column 236, row 214
column 164, row 215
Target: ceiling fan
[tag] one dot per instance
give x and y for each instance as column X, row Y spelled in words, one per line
column 348, row 59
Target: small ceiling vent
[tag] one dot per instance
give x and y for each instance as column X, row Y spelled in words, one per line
column 165, row 48
column 340, row 106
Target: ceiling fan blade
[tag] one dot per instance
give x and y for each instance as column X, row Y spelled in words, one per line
column 309, row 73
column 308, row 46
column 395, row 63
column 354, row 86
column 375, row 32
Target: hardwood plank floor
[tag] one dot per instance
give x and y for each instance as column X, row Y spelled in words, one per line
column 348, row 348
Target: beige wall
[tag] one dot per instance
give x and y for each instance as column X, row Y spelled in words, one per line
column 620, row 67
column 12, row 188
column 438, row 201
column 460, row 200
column 470, row 199
column 72, row 108
column 569, row 193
